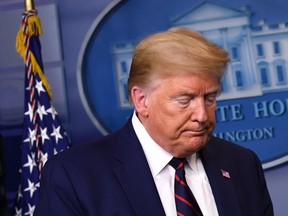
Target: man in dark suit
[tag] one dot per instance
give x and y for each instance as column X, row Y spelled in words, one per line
column 173, row 83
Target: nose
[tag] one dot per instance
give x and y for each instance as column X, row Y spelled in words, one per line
column 199, row 111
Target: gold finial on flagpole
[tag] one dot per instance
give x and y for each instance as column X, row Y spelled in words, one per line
column 29, row 5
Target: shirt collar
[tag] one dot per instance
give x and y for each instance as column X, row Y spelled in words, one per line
column 192, row 161
column 156, row 156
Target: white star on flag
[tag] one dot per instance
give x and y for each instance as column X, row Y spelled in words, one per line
column 31, row 187
column 32, row 136
column 44, row 135
column 39, row 87
column 56, row 133
column 31, row 163
column 52, row 111
column 18, row 212
column 41, row 111
column 31, row 210
column 44, row 158
column 29, row 112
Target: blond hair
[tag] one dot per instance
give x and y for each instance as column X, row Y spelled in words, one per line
column 178, row 50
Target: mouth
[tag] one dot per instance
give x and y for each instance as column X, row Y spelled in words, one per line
column 198, row 132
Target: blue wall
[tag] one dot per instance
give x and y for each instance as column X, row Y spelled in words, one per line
column 75, row 20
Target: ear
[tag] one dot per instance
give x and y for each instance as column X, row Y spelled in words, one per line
column 140, row 97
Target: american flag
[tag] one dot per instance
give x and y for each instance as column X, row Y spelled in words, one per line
column 225, row 174
column 43, row 135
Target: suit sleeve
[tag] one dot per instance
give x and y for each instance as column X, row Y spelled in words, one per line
column 57, row 194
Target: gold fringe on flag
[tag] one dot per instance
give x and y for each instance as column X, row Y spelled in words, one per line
column 33, row 26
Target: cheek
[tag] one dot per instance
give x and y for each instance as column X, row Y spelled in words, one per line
column 164, row 118
column 211, row 112
column 211, row 118
column 159, row 108
column 211, row 115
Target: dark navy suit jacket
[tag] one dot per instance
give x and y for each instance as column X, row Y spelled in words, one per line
column 111, row 177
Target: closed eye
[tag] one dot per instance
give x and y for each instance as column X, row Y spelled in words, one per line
column 183, row 100
column 210, row 98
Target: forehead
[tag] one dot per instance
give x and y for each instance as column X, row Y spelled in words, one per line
column 190, row 81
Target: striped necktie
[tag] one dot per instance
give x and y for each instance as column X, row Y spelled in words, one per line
column 186, row 203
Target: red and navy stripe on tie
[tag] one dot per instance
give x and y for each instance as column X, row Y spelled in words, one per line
column 186, row 204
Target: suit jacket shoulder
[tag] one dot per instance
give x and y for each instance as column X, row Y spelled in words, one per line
column 110, row 176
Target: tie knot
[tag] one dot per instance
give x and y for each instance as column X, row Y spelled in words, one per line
column 177, row 163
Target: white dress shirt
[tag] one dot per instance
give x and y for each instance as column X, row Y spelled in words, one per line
column 164, row 174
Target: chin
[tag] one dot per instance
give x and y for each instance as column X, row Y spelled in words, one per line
column 198, row 143
column 201, row 138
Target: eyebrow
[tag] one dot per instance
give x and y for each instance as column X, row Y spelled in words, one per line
column 191, row 93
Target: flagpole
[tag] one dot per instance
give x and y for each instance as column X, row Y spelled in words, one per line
column 29, row 5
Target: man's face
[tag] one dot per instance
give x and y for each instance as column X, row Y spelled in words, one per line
column 180, row 113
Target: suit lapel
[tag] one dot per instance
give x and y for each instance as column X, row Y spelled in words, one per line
column 223, row 187
column 134, row 175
